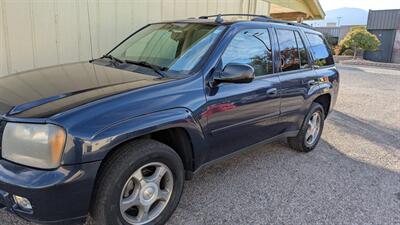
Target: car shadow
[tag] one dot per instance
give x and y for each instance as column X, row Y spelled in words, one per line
column 371, row 130
column 273, row 184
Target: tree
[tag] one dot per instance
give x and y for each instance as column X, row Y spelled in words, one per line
column 360, row 39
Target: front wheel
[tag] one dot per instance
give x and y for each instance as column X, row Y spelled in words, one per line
column 140, row 184
column 311, row 130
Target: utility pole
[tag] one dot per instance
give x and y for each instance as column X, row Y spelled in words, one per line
column 338, row 20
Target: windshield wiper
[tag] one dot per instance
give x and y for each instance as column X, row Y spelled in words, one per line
column 115, row 59
column 158, row 69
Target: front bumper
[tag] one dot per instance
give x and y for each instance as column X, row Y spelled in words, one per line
column 59, row 196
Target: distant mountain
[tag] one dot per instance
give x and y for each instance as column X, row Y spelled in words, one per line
column 348, row 16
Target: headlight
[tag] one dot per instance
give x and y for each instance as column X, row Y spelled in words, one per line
column 35, row 145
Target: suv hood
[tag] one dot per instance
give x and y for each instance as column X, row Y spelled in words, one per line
column 45, row 92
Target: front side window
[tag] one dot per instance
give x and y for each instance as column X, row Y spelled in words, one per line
column 175, row 47
column 252, row 47
column 320, row 50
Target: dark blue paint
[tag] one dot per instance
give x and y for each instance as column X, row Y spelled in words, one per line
column 62, row 194
column 108, row 106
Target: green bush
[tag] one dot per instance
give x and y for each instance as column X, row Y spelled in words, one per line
column 348, row 52
column 360, row 39
column 342, row 49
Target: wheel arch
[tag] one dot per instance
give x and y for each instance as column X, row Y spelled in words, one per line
column 176, row 128
column 325, row 100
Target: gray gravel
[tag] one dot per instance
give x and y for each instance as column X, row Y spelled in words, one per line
column 352, row 177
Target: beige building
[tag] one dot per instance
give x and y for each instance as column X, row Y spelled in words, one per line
column 39, row 33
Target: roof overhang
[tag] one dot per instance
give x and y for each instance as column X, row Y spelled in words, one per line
column 294, row 9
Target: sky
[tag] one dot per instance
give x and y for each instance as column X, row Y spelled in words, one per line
column 363, row 4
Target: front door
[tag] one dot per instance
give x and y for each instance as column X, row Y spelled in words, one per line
column 243, row 114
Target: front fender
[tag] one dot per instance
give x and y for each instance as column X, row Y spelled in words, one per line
column 102, row 142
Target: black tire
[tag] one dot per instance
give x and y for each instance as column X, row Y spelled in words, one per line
column 117, row 170
column 299, row 143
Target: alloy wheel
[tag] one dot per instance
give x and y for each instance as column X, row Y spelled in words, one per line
column 314, row 125
column 146, row 193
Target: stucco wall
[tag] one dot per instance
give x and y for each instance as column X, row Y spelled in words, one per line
column 38, row 33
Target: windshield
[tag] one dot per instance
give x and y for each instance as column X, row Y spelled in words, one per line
column 175, row 47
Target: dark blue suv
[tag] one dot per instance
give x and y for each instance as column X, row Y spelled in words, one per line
column 115, row 138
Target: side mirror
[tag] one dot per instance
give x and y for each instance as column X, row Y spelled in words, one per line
column 236, row 73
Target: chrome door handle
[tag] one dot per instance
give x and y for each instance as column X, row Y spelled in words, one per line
column 272, row 92
column 311, row 83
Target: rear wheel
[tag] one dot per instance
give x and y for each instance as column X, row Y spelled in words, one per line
column 311, row 130
column 141, row 184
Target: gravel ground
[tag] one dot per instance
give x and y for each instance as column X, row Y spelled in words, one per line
column 352, row 177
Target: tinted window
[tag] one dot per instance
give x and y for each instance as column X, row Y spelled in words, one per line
column 302, row 51
column 290, row 58
column 252, row 47
column 320, row 50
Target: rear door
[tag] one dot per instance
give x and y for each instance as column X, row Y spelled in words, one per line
column 298, row 80
column 324, row 65
column 243, row 114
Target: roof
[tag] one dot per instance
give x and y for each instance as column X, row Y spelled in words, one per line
column 292, row 9
column 317, row 8
column 384, row 19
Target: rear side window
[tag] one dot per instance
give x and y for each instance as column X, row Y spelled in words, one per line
column 320, row 50
column 302, row 51
column 252, row 47
column 290, row 58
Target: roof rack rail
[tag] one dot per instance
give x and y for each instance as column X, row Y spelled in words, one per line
column 260, row 18
column 283, row 22
column 219, row 19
